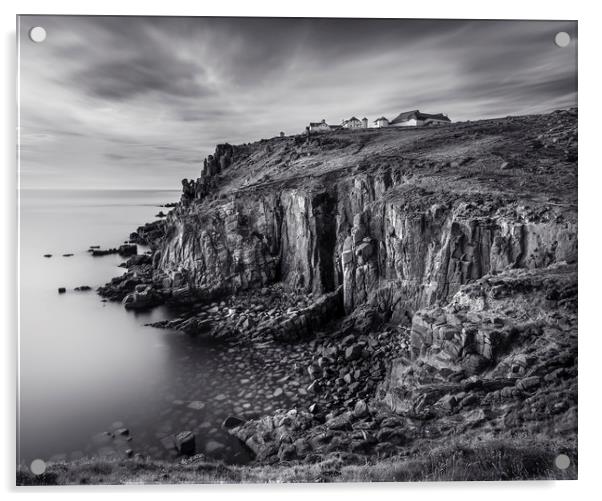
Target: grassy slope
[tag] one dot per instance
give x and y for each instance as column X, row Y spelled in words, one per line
column 538, row 174
column 519, row 460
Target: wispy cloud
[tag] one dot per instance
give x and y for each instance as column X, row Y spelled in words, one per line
column 139, row 101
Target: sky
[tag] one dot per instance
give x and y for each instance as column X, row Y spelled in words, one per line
column 138, row 102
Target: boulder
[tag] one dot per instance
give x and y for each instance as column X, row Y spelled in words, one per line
column 354, row 352
column 232, row 422
column 185, row 443
column 361, row 409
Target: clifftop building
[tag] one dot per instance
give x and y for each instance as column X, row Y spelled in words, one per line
column 381, row 122
column 319, row 126
column 354, row 123
column 412, row 118
column 415, row 118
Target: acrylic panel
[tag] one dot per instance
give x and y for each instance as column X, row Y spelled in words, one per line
column 296, row 250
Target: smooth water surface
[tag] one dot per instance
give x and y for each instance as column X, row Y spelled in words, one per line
column 84, row 363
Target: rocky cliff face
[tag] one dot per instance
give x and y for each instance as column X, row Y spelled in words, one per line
column 400, row 219
column 434, row 268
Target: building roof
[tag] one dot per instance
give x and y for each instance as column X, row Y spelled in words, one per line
column 381, row 118
column 351, row 120
column 415, row 114
column 315, row 124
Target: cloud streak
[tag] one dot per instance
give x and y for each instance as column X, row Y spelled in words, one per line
column 139, row 101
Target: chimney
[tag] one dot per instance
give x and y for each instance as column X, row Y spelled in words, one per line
column 365, row 122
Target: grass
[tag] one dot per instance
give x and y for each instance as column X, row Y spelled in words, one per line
column 487, row 461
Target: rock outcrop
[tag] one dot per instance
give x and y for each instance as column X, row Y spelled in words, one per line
column 403, row 224
column 433, row 269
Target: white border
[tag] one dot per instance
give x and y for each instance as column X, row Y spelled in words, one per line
column 589, row 223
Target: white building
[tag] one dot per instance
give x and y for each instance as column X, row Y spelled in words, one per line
column 416, row 119
column 381, row 122
column 354, row 123
column 319, row 126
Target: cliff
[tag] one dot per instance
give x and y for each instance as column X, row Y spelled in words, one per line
column 434, row 270
column 398, row 218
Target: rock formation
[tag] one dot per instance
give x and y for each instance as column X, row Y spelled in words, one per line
column 463, row 236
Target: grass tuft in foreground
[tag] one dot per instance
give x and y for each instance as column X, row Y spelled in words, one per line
column 494, row 460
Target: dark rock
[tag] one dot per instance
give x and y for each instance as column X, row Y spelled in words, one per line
column 232, row 422
column 342, row 422
column 96, row 252
column 126, row 250
column 354, row 352
column 185, row 443
column 144, row 300
column 62, row 290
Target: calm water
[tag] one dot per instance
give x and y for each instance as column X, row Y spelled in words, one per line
column 88, row 367
column 86, row 364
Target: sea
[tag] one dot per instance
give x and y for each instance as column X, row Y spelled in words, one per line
column 88, row 367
